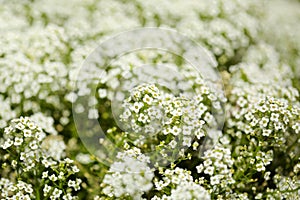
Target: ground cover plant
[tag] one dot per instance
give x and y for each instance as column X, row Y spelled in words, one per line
column 160, row 100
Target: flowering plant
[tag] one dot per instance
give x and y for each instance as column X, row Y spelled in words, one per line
column 203, row 105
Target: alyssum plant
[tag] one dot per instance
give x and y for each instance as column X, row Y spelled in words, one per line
column 178, row 136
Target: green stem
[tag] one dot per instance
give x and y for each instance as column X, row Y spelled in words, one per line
column 37, row 186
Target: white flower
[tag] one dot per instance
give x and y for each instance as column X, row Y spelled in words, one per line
column 93, row 114
column 200, row 168
column 137, row 106
column 40, row 136
column 175, row 130
column 198, row 98
column 274, row 117
column 189, row 191
column 187, row 130
column 71, row 183
column 7, row 144
column 177, row 112
column 204, row 90
column 260, row 167
column 214, row 180
column 130, row 176
column 241, row 102
column 75, row 169
column 77, row 184
column 259, row 196
column 173, row 144
column 254, row 122
column 264, row 122
column 278, row 126
column 248, row 129
column 72, row 97
column 267, row 176
column 296, row 127
column 147, row 99
column 249, row 116
column 187, row 141
column 195, row 145
column 53, row 178
column 20, row 126
column 18, row 141
column 202, row 108
column 102, row 93
column 218, row 155
column 68, row 196
column 207, row 162
column 27, row 133
column 68, row 160
column 14, row 163
column 47, row 163
column 263, row 108
column 61, row 175
column 56, row 193
column 273, row 107
column 143, row 118
column 33, row 145
column 266, row 132
column 126, row 114
column 46, row 189
column 208, row 118
column 45, row 174
column 31, row 125
column 209, row 170
column 199, row 133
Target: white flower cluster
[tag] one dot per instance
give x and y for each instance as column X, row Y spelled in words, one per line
column 19, row 190
column 262, row 123
column 35, row 75
column 130, row 176
column 284, row 184
column 180, row 119
column 269, row 118
column 283, row 14
column 54, row 147
column 288, row 184
column 24, row 138
column 224, row 26
column 46, row 123
column 188, row 190
column 6, row 113
column 57, row 174
column 218, row 165
column 168, row 107
column 181, row 184
column 28, row 152
column 261, row 64
column 120, row 77
column 143, row 108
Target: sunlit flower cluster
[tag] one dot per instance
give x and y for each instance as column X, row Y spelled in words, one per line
column 19, row 190
column 179, row 184
column 26, row 154
column 217, row 165
column 180, row 119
